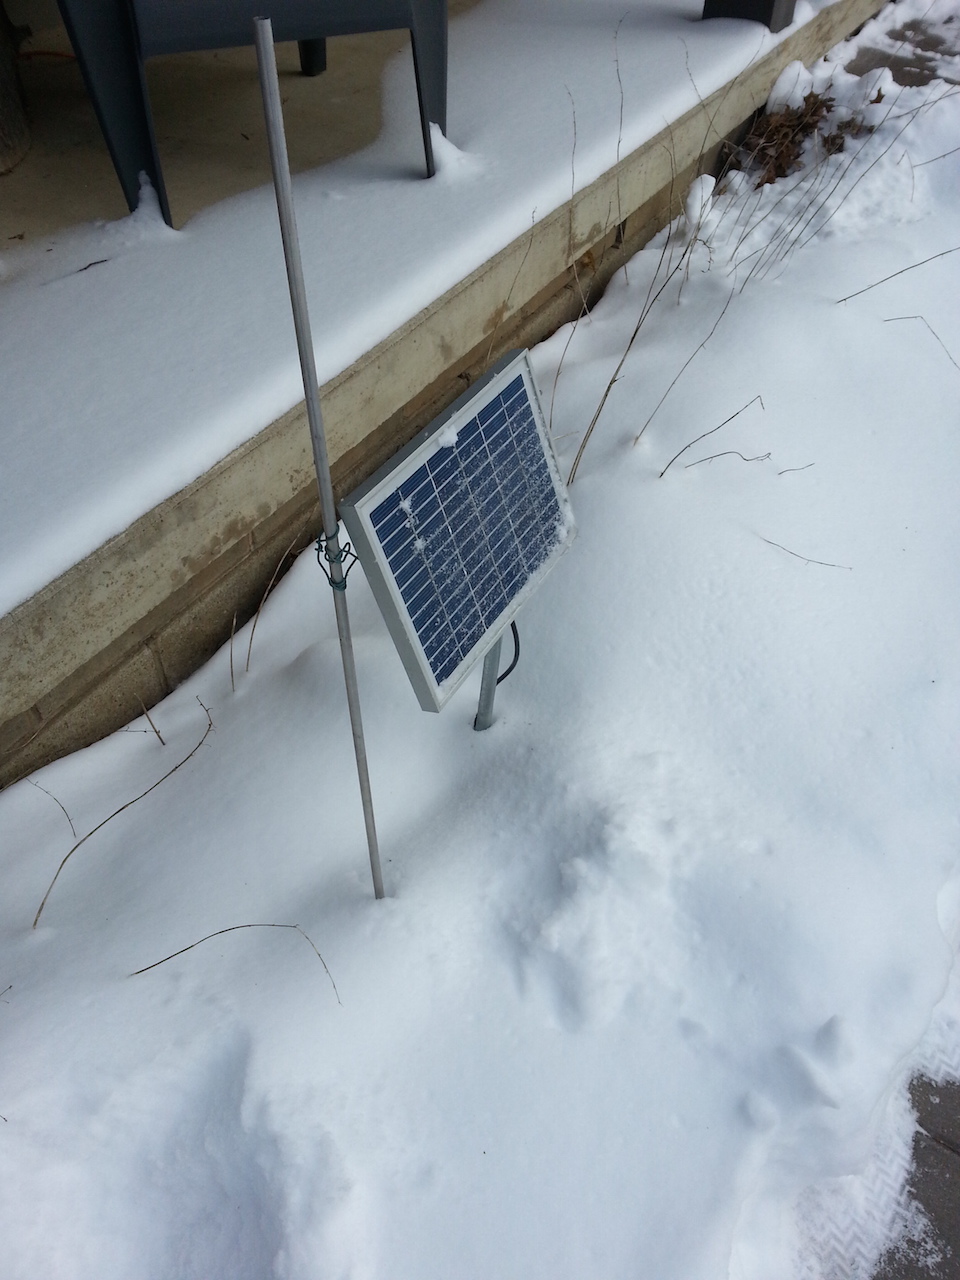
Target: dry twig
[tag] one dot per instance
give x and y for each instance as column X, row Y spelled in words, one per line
column 232, row 929
column 654, row 293
column 263, row 601
column 913, row 266
column 506, row 302
column 923, row 320
column 827, row 564
column 942, row 156
column 910, row 117
column 710, row 433
column 116, row 812
column 798, row 227
column 729, row 453
column 573, row 192
column 556, row 376
column 616, row 63
column 233, row 632
column 65, row 814
column 150, row 723
column 684, row 367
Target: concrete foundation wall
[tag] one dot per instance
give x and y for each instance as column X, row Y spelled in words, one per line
column 121, row 628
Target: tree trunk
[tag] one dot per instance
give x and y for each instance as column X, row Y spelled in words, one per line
column 14, row 134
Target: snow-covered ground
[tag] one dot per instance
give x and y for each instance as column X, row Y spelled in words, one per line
column 662, row 947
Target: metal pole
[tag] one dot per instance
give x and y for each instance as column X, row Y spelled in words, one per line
column 280, row 163
column 488, row 687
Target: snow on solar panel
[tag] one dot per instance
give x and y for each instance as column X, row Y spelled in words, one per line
column 458, row 529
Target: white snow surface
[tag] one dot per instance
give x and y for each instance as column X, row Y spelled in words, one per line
column 663, row 946
column 133, row 358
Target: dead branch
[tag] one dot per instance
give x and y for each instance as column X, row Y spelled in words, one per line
column 797, row 229
column 710, row 432
column 652, row 297
column 616, row 63
column 684, row 367
column 806, row 559
column 556, row 376
column 810, row 211
column 903, row 270
column 942, row 156
column 56, row 801
column 233, row 632
column 116, row 812
column 150, row 723
column 923, row 320
column 931, row 102
column 733, row 85
column 729, row 453
column 787, row 470
column 232, row 929
column 573, row 191
column 506, row 302
column 263, row 601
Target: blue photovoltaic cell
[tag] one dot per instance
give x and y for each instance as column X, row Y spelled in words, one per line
column 465, row 532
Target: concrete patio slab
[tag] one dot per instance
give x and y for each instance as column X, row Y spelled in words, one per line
column 128, row 622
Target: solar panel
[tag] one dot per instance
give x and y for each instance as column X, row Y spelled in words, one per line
column 458, row 529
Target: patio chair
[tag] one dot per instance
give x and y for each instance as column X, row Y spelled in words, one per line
column 113, row 38
column 775, row 14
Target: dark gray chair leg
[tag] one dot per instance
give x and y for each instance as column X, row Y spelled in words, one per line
column 110, row 45
column 428, row 35
column 775, row 14
column 101, row 32
column 313, row 56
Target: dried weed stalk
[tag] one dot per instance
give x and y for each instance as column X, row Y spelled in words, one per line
column 116, row 812
column 777, row 146
column 233, row 929
column 233, row 632
column 666, row 270
column 712, row 431
column 925, row 321
column 62, row 809
column 903, row 270
column 150, row 723
column 826, row 564
column 270, row 586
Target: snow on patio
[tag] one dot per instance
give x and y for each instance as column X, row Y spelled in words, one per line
column 134, row 358
column 662, row 947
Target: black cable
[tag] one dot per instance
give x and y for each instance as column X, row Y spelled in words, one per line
column 516, row 653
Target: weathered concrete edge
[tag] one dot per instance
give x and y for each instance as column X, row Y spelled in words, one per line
column 126, row 624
